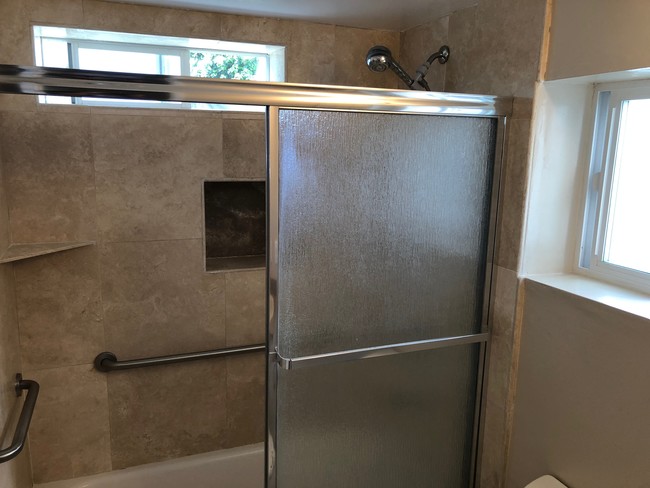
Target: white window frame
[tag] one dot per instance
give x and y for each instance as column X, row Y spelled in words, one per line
column 608, row 99
column 161, row 45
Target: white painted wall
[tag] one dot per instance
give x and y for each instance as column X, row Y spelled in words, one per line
column 598, row 36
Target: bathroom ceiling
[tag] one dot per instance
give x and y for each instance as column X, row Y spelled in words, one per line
column 395, row 15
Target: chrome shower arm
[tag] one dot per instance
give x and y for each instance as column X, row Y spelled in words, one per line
column 442, row 55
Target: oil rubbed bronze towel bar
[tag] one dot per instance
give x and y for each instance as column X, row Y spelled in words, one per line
column 107, row 361
column 20, row 436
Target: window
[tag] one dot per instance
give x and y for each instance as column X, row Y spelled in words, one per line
column 61, row 47
column 616, row 233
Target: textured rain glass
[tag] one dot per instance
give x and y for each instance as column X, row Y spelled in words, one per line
column 383, row 228
column 403, row 421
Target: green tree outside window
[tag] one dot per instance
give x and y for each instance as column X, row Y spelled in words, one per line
column 217, row 65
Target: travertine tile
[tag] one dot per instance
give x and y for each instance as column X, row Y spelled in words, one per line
column 157, row 299
column 121, row 17
column 244, row 148
column 9, row 343
column 16, row 473
column 187, row 23
column 246, row 399
column 496, row 426
column 18, row 103
column 245, row 307
column 4, row 208
column 59, row 309
column 64, row 12
column 461, row 70
column 498, row 47
column 522, row 108
column 256, row 29
column 150, row 172
column 310, row 56
column 350, row 48
column 15, row 34
column 417, row 44
column 49, row 176
column 69, row 435
column 513, row 195
column 166, row 412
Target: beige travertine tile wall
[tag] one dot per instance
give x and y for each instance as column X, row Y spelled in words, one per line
column 15, row 473
column 131, row 180
column 495, row 49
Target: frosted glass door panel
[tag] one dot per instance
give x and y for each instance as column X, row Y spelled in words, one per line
column 383, row 228
column 396, row 421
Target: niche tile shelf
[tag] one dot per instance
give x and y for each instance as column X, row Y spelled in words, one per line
column 18, row 252
column 235, row 225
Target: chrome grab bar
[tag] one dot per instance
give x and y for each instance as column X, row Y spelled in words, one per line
column 20, row 436
column 107, row 361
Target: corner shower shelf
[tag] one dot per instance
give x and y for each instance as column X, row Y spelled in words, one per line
column 17, row 252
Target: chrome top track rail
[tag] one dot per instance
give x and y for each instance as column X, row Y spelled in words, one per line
column 32, row 80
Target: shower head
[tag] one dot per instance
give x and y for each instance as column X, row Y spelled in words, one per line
column 379, row 59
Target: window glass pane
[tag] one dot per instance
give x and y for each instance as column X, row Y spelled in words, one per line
column 123, row 61
column 231, row 66
column 171, row 65
column 627, row 238
column 55, row 53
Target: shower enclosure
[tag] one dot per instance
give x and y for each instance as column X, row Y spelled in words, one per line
column 381, row 208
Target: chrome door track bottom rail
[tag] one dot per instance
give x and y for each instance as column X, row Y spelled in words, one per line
column 377, row 351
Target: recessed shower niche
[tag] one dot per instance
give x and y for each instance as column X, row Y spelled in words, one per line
column 235, row 225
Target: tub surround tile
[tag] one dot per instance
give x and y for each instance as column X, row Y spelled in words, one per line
column 245, row 308
column 256, row 29
column 10, row 362
column 5, row 239
column 306, row 39
column 16, row 474
column 59, row 309
column 121, row 17
column 49, row 176
column 246, row 399
column 18, row 103
column 417, row 44
column 350, row 49
column 66, row 12
column 69, row 434
column 513, row 195
column 15, row 35
column 150, row 172
column 166, row 412
column 244, row 148
column 187, row 23
column 460, row 71
column 497, row 46
column 157, row 299
column 499, row 384
column 522, row 108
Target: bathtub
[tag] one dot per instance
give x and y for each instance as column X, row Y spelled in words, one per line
column 241, row 467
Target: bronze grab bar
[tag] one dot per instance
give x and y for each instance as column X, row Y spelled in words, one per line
column 107, row 361
column 20, row 436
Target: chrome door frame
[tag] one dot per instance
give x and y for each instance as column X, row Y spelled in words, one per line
column 31, row 80
column 275, row 360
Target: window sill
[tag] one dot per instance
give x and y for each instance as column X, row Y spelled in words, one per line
column 613, row 296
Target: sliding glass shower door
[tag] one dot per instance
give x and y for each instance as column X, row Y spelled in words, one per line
column 379, row 233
